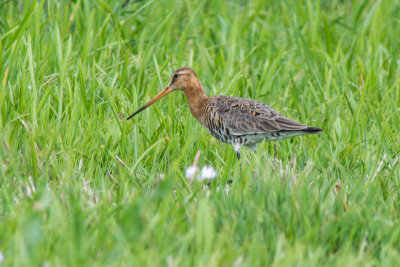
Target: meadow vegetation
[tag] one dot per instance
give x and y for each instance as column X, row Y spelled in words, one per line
column 80, row 185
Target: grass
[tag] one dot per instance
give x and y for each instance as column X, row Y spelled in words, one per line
column 80, row 185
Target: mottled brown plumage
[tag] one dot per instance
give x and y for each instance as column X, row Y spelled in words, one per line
column 236, row 121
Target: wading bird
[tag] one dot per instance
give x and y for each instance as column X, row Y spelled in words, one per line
column 236, row 121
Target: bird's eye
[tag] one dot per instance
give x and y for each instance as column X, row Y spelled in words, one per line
column 175, row 76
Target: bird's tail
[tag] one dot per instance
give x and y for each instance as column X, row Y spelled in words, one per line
column 292, row 133
column 312, row 130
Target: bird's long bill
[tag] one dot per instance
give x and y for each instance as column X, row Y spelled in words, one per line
column 160, row 95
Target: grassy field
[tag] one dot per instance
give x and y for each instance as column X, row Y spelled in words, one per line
column 82, row 186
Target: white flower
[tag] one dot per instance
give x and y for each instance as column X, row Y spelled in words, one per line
column 191, row 172
column 208, row 172
column 1, row 257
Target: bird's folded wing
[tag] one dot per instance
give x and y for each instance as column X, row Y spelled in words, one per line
column 245, row 116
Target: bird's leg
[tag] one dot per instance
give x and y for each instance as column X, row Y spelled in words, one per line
column 237, row 147
column 275, row 154
column 253, row 147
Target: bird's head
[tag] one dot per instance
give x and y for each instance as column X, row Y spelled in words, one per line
column 184, row 79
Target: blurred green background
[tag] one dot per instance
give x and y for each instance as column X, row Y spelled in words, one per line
column 80, row 185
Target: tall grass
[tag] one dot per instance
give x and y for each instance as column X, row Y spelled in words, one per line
column 80, row 185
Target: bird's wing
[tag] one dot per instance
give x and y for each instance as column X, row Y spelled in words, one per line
column 246, row 116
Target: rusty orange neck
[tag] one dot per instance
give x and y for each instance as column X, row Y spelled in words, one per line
column 196, row 96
